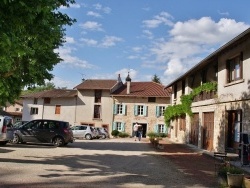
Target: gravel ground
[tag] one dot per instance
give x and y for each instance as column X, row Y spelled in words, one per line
column 118, row 163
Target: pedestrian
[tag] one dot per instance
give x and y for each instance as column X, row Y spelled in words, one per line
column 140, row 131
column 135, row 129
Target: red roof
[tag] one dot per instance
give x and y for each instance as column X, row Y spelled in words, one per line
column 54, row 93
column 97, row 84
column 143, row 89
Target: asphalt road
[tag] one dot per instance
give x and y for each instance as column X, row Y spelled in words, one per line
column 110, row 163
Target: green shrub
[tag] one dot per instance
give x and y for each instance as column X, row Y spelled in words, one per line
column 232, row 170
column 123, row 135
column 163, row 135
column 115, row 133
column 152, row 135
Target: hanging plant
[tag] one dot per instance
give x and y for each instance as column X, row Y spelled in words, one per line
column 184, row 108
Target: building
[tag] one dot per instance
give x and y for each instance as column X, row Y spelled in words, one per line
column 220, row 116
column 142, row 102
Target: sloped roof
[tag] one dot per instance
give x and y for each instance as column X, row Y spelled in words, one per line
column 143, row 89
column 97, row 84
column 54, row 93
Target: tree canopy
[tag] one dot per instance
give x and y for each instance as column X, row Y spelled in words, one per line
column 30, row 31
column 156, row 79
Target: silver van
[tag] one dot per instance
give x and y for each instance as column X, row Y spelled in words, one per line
column 6, row 129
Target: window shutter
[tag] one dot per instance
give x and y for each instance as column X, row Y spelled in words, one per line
column 156, row 128
column 157, row 111
column 145, row 110
column 114, row 126
column 136, row 110
column 123, row 127
column 165, row 129
column 123, row 109
column 241, row 65
column 115, row 109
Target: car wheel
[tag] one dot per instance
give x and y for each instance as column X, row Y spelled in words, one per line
column 58, row 141
column 88, row 136
column 16, row 139
column 103, row 136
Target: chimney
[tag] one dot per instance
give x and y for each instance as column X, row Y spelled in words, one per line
column 119, row 78
column 128, row 80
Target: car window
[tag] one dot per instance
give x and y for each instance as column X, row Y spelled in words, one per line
column 83, row 128
column 29, row 124
column 91, row 128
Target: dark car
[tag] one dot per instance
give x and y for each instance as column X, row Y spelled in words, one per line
column 44, row 131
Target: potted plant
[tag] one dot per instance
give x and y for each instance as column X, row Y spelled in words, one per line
column 231, row 176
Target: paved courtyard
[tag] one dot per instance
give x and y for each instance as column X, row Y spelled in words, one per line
column 118, row 163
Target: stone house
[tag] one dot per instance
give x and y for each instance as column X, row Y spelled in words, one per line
column 142, row 102
column 95, row 102
column 219, row 118
column 14, row 110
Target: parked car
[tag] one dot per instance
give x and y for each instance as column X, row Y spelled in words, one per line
column 44, row 131
column 102, row 132
column 6, row 129
column 83, row 131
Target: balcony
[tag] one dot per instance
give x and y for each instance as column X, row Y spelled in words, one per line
column 205, row 96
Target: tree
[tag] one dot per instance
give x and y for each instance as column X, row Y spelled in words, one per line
column 30, row 31
column 156, row 79
column 46, row 86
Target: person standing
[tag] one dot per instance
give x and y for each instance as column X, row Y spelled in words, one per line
column 135, row 129
column 140, row 131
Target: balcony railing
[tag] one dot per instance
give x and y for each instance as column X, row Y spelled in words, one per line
column 205, row 96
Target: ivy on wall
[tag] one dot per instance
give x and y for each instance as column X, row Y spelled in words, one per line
column 184, row 108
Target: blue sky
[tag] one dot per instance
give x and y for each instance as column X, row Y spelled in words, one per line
column 144, row 37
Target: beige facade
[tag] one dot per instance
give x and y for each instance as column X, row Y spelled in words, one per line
column 149, row 120
column 219, row 120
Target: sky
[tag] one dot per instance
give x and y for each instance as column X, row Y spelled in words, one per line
column 144, row 37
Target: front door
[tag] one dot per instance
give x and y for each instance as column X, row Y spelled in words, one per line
column 194, row 129
column 208, row 130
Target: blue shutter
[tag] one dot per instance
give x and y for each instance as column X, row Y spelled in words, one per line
column 165, row 129
column 114, row 126
column 136, row 110
column 145, row 110
column 115, row 109
column 156, row 128
column 157, row 111
column 123, row 109
column 123, row 127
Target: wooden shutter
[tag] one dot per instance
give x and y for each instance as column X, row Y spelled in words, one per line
column 136, row 110
column 157, row 111
column 123, row 109
column 115, row 109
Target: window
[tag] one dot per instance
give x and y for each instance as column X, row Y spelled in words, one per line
column 35, row 100
column 120, row 126
column 97, row 111
column 18, row 109
column 160, row 128
column 98, row 96
column 183, row 87
column 151, row 99
column 160, row 110
column 120, row 109
column 58, row 109
column 47, row 100
column 182, row 121
column 140, row 110
column 33, row 110
column 175, row 91
column 234, row 68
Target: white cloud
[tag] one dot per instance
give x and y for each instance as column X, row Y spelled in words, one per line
column 70, row 60
column 94, row 14
column 70, row 40
column 109, row 41
column 124, row 73
column 71, row 6
column 148, row 34
column 61, row 83
column 93, row 26
column 163, row 18
column 99, row 7
column 189, row 42
column 89, row 42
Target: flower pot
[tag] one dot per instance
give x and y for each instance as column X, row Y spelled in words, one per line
column 246, row 182
column 235, row 180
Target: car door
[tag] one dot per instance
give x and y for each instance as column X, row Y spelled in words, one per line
column 49, row 131
column 76, row 131
column 28, row 131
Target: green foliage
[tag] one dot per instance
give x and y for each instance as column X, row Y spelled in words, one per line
column 162, row 135
column 184, row 108
column 30, row 32
column 123, row 134
column 115, row 133
column 231, row 169
column 47, row 86
column 152, row 134
column 156, row 79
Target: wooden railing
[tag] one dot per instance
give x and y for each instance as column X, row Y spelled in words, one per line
column 205, row 96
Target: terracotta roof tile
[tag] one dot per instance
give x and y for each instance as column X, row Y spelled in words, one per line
column 54, row 93
column 144, row 89
column 97, row 84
